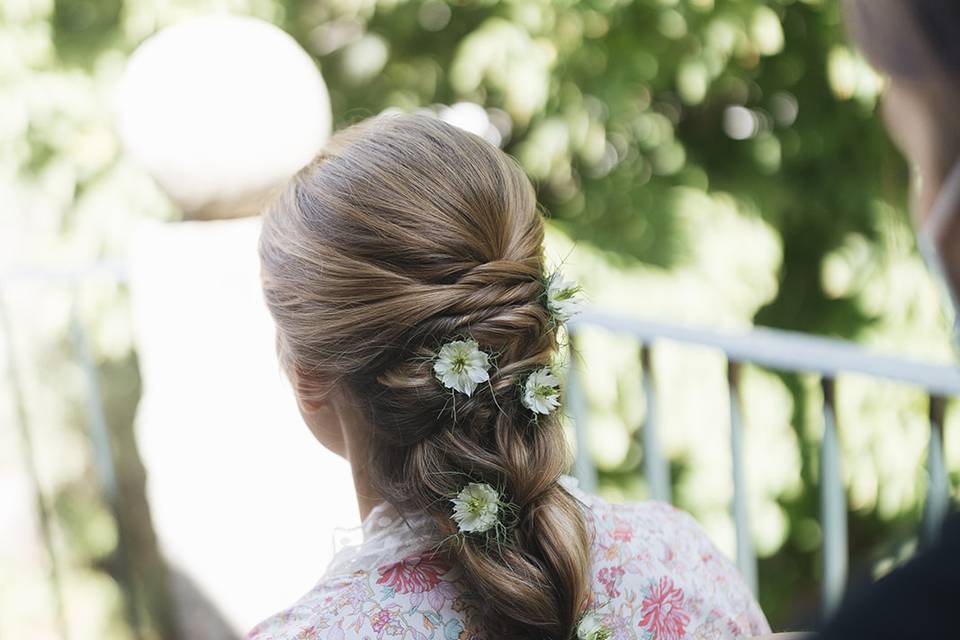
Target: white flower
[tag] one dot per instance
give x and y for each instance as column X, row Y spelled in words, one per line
column 461, row 366
column 476, row 507
column 541, row 391
column 590, row 628
column 563, row 297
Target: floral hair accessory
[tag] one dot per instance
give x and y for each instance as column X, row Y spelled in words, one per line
column 541, row 391
column 461, row 366
column 476, row 508
column 563, row 297
column 590, row 628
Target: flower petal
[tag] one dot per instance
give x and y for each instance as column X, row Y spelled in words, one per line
column 460, row 365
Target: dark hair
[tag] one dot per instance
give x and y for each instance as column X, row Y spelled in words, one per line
column 908, row 38
column 404, row 234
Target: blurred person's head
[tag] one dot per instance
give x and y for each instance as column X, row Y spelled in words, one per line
column 404, row 234
column 917, row 44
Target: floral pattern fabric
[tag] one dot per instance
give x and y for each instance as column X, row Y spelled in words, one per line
column 656, row 576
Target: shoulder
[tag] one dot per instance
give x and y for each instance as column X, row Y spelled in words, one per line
column 414, row 598
column 655, row 536
column 654, row 568
column 641, row 523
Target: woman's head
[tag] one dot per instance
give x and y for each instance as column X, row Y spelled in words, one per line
column 917, row 43
column 404, row 234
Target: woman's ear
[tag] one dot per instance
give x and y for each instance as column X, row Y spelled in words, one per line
column 318, row 408
column 312, row 392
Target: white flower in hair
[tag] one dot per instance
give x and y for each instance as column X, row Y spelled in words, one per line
column 590, row 628
column 461, row 366
column 476, row 508
column 541, row 391
column 563, row 297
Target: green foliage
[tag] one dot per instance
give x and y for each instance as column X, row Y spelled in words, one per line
column 614, row 104
column 717, row 161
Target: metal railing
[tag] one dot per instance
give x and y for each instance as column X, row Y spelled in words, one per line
column 782, row 351
column 95, row 423
column 777, row 350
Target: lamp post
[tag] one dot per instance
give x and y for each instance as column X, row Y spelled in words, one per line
column 220, row 111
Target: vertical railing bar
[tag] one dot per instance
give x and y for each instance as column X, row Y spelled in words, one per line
column 26, row 442
column 96, row 414
column 655, row 465
column 746, row 555
column 938, row 485
column 576, row 402
column 102, row 450
column 833, row 505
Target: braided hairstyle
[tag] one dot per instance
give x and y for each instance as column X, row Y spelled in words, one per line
column 404, row 234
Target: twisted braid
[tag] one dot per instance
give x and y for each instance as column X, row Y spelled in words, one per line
column 406, row 234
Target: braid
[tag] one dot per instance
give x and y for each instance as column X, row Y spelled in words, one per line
column 412, row 234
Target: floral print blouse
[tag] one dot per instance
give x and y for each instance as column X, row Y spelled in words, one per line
column 656, row 576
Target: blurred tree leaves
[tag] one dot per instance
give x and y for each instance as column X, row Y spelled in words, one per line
column 612, row 105
column 626, row 113
column 81, row 28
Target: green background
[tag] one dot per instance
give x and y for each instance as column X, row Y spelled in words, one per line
column 715, row 162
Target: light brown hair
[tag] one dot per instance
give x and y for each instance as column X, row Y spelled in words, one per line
column 403, row 234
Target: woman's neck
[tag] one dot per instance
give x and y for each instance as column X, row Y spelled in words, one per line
column 367, row 495
column 356, row 438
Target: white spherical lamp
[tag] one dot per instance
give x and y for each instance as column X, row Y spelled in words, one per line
column 221, row 109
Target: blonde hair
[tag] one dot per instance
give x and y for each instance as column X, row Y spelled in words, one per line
column 404, row 234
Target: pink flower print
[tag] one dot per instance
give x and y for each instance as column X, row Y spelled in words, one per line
column 351, row 599
column 622, row 532
column 662, row 610
column 618, row 627
column 707, row 631
column 412, row 575
column 734, row 628
column 380, row 619
column 610, row 577
column 310, row 633
column 667, row 555
column 386, row 621
column 439, row 596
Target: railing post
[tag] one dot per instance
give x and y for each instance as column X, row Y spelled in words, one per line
column 103, row 456
column 655, row 465
column 576, row 402
column 938, row 483
column 746, row 555
column 833, row 505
